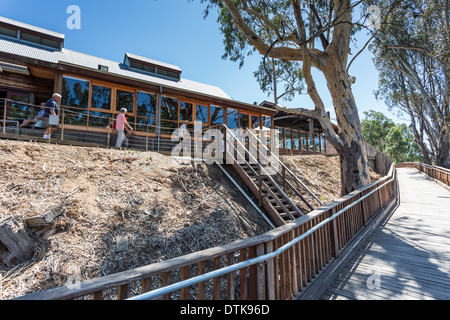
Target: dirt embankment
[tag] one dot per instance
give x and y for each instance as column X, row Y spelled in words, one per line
column 125, row 209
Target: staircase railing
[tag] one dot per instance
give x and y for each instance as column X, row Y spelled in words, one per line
column 259, row 174
column 287, row 177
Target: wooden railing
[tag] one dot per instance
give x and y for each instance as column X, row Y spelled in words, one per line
column 287, row 179
column 435, row 172
column 277, row 265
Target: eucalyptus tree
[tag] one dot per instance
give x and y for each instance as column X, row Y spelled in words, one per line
column 413, row 57
column 317, row 34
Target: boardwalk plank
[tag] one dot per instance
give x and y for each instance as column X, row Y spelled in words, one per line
column 409, row 254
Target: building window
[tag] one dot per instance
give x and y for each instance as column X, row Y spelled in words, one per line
column 169, row 109
column 186, row 111
column 146, row 105
column 267, row 122
column 244, row 121
column 39, row 40
column 233, row 118
column 216, row 115
column 8, row 32
column 101, row 97
column 75, row 92
column 201, row 114
column 124, row 99
column 255, row 122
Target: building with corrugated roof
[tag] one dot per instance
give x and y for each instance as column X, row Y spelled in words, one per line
column 35, row 64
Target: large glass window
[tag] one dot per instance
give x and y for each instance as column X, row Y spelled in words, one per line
column 101, row 97
column 216, row 115
column 295, row 140
column 255, row 122
column 287, row 139
column 244, row 121
column 233, row 118
column 169, row 108
column 267, row 121
column 146, row 105
column 124, row 99
column 99, row 119
column 75, row 92
column 186, row 111
column 201, row 114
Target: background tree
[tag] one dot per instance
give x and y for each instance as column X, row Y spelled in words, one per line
column 412, row 54
column 375, row 128
column 400, row 145
column 396, row 141
column 293, row 31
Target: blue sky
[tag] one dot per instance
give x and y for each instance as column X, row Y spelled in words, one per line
column 174, row 31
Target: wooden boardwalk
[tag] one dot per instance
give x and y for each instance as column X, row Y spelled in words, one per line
column 408, row 256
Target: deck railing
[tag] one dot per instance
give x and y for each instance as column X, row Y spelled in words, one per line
column 435, row 172
column 277, row 265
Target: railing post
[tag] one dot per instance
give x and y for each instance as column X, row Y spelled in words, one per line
column 109, row 132
column 146, row 141
column 4, row 116
column 62, row 125
column 261, row 274
column 260, row 195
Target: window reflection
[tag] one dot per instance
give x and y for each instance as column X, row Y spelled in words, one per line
column 125, row 99
column 101, row 97
column 75, row 92
column 146, row 105
column 186, row 111
column 202, row 114
column 169, row 108
column 216, row 115
column 233, row 118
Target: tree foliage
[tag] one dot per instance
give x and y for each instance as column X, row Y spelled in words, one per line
column 317, row 34
column 412, row 54
column 375, row 127
column 397, row 141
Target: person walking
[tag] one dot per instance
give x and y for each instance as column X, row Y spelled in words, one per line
column 51, row 108
column 121, row 122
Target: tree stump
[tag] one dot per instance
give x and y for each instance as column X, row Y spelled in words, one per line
column 15, row 244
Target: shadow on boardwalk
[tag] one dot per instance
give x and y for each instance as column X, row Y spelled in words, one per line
column 408, row 256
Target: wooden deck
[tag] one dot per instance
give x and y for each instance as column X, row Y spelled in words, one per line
column 408, row 256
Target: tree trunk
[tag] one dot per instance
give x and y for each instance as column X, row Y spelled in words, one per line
column 443, row 156
column 354, row 163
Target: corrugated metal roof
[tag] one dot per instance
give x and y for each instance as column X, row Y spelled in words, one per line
column 16, row 47
column 31, row 27
column 151, row 61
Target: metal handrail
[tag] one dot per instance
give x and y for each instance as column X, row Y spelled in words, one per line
column 288, row 170
column 225, row 270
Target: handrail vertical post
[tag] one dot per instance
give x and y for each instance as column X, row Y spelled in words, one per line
column 62, row 125
column 146, row 140
column 4, row 116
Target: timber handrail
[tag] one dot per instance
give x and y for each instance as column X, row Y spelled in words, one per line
column 261, row 171
column 284, row 167
column 279, row 264
column 435, row 172
column 171, row 288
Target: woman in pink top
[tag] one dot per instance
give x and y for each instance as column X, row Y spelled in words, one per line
column 121, row 122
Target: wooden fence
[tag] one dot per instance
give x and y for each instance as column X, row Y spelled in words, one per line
column 435, row 172
column 277, row 265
